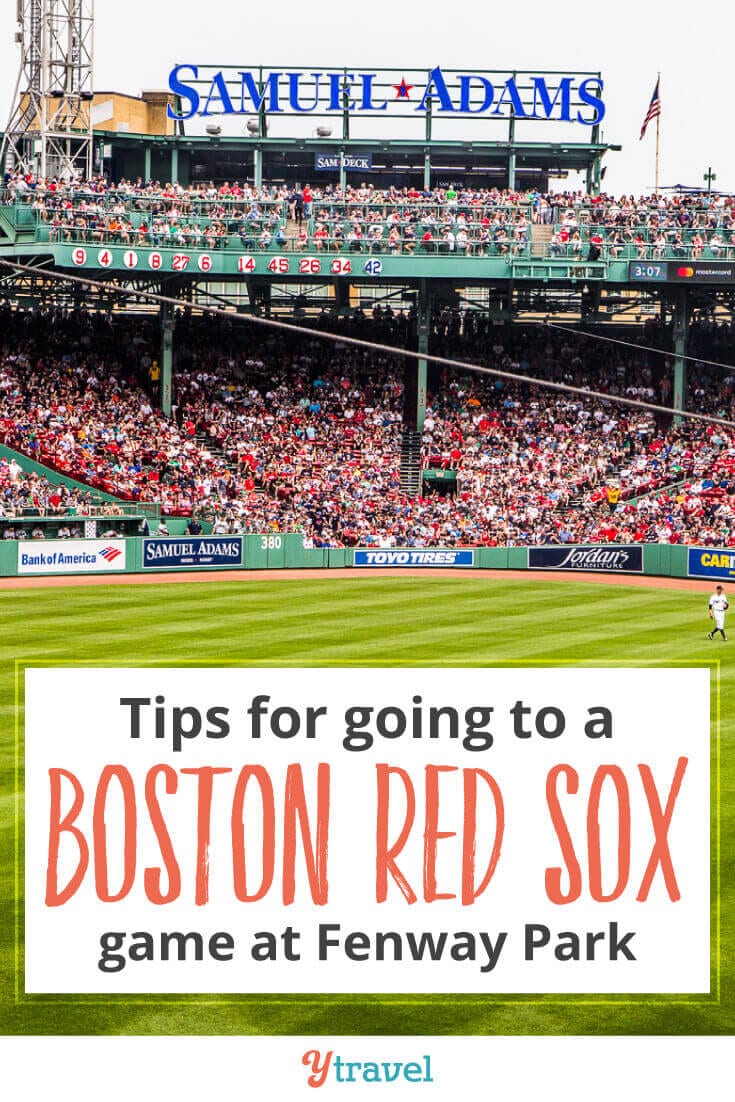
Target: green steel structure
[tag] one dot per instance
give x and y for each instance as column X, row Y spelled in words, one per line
column 272, row 279
column 188, row 159
column 241, row 267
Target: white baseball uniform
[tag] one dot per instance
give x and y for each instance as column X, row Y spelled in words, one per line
column 718, row 603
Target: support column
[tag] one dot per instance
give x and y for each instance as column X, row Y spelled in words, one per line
column 167, row 357
column 258, row 167
column 427, row 147
column 147, row 165
column 342, row 170
column 174, row 165
column 512, row 171
column 681, row 329
column 341, row 297
column 596, row 176
column 423, row 308
column 512, row 149
column 345, row 109
column 594, row 170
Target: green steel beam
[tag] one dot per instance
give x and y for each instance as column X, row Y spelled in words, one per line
column 512, row 148
column 566, row 152
column 274, row 265
column 423, row 308
column 681, row 331
column 167, row 357
column 345, row 113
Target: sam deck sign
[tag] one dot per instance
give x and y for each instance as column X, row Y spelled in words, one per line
column 353, row 162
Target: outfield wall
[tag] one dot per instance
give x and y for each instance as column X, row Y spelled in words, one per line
column 276, row 552
column 56, row 478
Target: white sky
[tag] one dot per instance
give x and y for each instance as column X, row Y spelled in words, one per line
column 139, row 41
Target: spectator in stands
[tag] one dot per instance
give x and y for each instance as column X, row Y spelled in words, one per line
column 309, row 434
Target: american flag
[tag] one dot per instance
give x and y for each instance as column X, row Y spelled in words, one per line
column 654, row 108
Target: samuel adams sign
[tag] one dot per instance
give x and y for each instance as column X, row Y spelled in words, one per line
column 205, row 91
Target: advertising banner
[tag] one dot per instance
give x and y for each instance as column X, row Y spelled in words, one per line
column 70, row 556
column 205, row 90
column 710, row 562
column 413, row 557
column 356, row 162
column 190, row 552
column 682, row 270
column 701, row 271
column 614, row 559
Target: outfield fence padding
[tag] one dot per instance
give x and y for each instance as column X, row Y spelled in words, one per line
column 278, row 551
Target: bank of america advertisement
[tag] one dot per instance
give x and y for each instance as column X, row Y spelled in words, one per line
column 71, row 556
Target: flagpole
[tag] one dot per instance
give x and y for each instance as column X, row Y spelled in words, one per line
column 658, row 120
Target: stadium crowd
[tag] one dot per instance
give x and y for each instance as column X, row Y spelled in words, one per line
column 276, row 434
column 365, row 218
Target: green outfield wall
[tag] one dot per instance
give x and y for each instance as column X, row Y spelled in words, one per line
column 56, row 478
column 278, row 552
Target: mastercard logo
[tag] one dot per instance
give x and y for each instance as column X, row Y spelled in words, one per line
column 685, row 273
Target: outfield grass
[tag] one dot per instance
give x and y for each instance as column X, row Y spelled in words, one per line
column 329, row 622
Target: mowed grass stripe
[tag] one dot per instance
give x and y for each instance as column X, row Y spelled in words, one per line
column 330, row 621
column 299, row 603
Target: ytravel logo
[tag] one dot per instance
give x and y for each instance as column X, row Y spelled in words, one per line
column 331, row 1066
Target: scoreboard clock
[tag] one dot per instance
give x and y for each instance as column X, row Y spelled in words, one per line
column 648, row 271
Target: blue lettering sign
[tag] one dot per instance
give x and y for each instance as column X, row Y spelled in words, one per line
column 183, row 91
column 218, row 93
column 594, row 99
column 257, row 95
column 465, row 100
column 414, row 558
column 191, row 552
column 366, row 103
column 563, row 94
column 338, row 88
column 300, row 92
column 512, row 99
column 354, row 162
column 293, row 93
column 440, row 93
column 711, row 562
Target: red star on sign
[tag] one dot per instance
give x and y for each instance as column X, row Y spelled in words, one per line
column 403, row 89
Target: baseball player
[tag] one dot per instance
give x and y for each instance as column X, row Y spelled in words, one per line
column 718, row 606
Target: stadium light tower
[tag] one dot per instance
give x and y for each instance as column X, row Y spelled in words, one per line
column 49, row 131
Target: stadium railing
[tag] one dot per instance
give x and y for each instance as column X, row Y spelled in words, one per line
column 396, row 227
